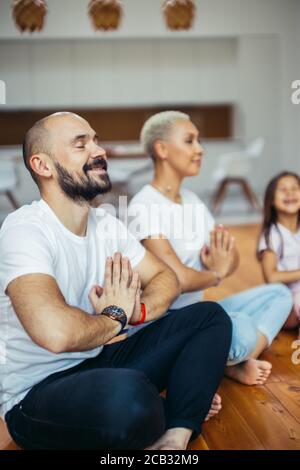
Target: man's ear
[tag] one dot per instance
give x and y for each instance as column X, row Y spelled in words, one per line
column 160, row 149
column 40, row 164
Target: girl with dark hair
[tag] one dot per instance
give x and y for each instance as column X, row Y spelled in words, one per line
column 279, row 244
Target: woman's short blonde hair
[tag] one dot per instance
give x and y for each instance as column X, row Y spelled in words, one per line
column 157, row 127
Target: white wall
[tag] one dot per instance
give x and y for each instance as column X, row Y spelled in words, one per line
column 290, row 71
column 240, row 51
column 90, row 73
column 114, row 73
column 259, row 101
column 294, row 113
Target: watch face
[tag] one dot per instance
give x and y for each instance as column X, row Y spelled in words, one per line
column 116, row 313
column 115, row 310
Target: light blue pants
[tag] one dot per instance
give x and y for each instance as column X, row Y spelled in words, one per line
column 262, row 309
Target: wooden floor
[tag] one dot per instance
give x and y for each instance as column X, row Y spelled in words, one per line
column 260, row 417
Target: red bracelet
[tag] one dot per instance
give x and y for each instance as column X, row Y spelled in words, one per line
column 143, row 315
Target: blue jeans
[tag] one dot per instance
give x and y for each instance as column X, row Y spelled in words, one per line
column 263, row 309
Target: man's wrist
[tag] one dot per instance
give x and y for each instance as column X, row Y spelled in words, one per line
column 117, row 326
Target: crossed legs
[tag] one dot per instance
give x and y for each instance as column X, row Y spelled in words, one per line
column 113, row 401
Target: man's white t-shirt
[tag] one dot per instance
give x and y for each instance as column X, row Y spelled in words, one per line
column 33, row 240
column 187, row 227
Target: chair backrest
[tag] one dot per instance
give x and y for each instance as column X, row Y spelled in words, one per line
column 238, row 163
column 256, row 147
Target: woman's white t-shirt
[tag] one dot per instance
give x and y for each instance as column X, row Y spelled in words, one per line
column 186, row 226
column 33, row 240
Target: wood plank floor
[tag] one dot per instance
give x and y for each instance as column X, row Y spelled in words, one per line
column 264, row 417
column 260, row 417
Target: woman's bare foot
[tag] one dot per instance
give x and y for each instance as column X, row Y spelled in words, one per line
column 173, row 439
column 250, row 372
column 216, row 406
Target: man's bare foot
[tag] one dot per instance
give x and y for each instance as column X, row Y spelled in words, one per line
column 173, row 439
column 250, row 372
column 216, row 406
column 5, row 438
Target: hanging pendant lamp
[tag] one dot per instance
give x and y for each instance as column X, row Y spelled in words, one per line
column 105, row 14
column 29, row 15
column 179, row 14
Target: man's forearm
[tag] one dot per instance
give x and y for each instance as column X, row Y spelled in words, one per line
column 80, row 331
column 161, row 291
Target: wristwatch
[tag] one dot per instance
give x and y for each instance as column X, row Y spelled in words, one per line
column 116, row 313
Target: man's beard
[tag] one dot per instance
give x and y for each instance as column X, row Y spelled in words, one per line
column 83, row 188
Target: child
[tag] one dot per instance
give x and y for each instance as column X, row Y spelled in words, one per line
column 279, row 244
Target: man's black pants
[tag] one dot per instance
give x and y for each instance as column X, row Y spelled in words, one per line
column 113, row 401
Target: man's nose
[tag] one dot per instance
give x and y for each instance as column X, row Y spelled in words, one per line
column 98, row 151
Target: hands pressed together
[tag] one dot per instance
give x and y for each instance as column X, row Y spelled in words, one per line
column 219, row 256
column 122, row 287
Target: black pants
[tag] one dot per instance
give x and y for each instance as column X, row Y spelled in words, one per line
column 113, row 402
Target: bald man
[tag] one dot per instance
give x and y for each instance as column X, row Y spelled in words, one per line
column 70, row 279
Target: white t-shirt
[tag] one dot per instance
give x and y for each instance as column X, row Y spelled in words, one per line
column 286, row 246
column 186, row 226
column 33, row 240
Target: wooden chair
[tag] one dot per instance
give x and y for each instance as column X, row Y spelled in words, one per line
column 221, row 190
column 234, row 168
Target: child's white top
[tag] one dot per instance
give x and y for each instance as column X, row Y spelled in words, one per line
column 286, row 246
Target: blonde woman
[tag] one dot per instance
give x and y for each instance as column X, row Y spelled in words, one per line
column 174, row 224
